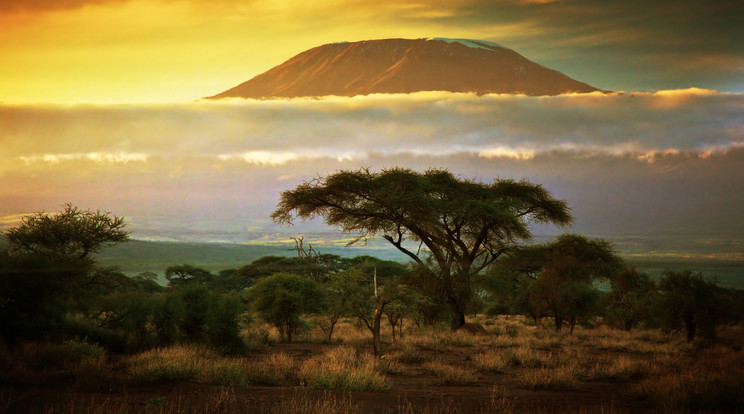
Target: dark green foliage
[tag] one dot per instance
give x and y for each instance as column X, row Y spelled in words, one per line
column 282, row 298
column 690, row 302
column 70, row 234
column 194, row 299
column 223, row 326
column 181, row 274
column 632, row 300
column 555, row 279
column 463, row 225
column 318, row 267
column 166, row 313
column 47, row 273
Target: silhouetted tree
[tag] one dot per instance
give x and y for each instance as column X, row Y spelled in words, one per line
column 282, row 298
column 464, row 225
column 557, row 277
column 689, row 302
column 181, row 274
column 47, row 270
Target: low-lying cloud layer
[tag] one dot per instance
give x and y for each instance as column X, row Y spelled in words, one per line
column 668, row 161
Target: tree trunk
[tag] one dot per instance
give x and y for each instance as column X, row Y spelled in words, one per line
column 690, row 328
column 330, row 331
column 458, row 319
column 379, row 307
column 558, row 323
column 376, row 332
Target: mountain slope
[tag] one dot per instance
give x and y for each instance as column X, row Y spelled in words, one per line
column 404, row 66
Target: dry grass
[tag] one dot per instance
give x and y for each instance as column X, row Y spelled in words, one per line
column 274, row 369
column 564, row 377
column 713, row 379
column 654, row 367
column 199, row 364
column 408, row 353
column 220, row 400
column 491, row 361
column 343, row 368
column 621, row 368
column 450, row 375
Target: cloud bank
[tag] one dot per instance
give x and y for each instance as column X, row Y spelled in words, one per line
column 636, row 162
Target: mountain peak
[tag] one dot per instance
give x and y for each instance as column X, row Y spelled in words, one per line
column 406, row 66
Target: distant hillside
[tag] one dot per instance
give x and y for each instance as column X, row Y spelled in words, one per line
column 139, row 256
column 405, row 66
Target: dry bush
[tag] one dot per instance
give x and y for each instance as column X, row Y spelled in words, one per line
column 342, row 368
column 620, row 368
column 491, row 361
column 450, row 375
column 353, row 335
column 391, row 366
column 175, row 363
column 274, row 369
column 711, row 379
column 46, row 361
column 409, row 353
column 564, row 377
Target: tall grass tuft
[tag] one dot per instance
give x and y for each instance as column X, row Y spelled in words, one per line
column 450, row 375
column 342, row 368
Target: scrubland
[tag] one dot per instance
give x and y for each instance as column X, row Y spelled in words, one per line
column 515, row 366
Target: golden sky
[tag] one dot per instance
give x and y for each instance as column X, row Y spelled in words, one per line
column 112, row 51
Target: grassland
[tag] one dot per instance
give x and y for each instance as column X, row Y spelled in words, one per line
column 514, row 367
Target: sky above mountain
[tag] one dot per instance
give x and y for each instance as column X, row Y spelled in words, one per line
column 98, row 108
column 105, row 51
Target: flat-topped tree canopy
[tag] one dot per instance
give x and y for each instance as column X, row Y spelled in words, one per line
column 464, row 225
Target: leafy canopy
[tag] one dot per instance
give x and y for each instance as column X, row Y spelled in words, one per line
column 70, row 234
column 459, row 221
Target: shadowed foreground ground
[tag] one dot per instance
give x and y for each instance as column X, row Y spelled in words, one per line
column 514, row 367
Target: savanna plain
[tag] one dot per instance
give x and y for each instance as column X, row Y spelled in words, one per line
column 511, row 365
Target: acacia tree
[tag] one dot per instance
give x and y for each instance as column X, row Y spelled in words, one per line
column 464, row 225
column 71, row 234
column 47, row 269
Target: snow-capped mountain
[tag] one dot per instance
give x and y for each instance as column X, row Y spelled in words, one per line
column 404, row 66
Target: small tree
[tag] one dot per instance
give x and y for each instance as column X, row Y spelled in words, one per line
column 223, row 324
column 47, row 270
column 181, row 274
column 557, row 277
column 631, row 301
column 70, row 234
column 195, row 302
column 282, row 298
column 689, row 302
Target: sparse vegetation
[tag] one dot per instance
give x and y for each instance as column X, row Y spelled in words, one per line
column 297, row 329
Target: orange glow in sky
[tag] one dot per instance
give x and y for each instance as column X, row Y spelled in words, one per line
column 170, row 51
column 143, row 51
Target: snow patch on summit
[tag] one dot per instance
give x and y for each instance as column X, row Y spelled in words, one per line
column 475, row 44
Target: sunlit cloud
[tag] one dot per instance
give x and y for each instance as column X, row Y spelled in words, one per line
column 274, row 158
column 501, row 152
column 96, row 157
column 625, row 162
